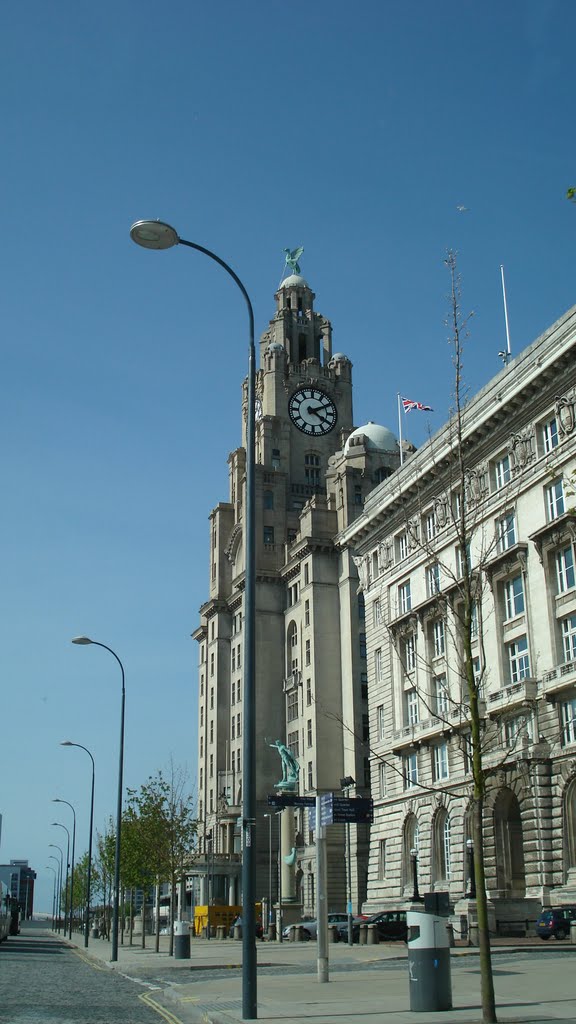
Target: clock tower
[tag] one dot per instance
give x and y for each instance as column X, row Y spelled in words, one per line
column 303, row 664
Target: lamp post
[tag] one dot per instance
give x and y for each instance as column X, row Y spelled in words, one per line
column 50, row 868
column 157, row 235
column 471, row 894
column 346, row 785
column 414, row 856
column 68, row 743
column 66, row 903
column 59, row 862
column 57, row 800
column 269, row 816
column 116, row 905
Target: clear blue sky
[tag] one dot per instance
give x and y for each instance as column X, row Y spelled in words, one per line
column 354, row 130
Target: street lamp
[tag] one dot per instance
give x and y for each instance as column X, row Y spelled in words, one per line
column 59, row 901
column 346, row 784
column 153, row 234
column 68, row 743
column 116, row 906
column 50, row 868
column 60, row 825
column 57, row 800
column 471, row 894
column 414, row 856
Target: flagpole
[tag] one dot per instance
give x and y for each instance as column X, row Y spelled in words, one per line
column 508, row 352
column 400, row 433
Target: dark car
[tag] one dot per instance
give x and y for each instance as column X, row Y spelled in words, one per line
column 259, row 929
column 390, row 925
column 555, row 922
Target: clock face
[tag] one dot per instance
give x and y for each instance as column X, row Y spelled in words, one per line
column 312, row 411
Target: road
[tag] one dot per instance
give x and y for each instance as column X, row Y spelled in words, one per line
column 44, row 981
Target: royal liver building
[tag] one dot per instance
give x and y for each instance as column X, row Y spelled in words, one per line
column 313, row 474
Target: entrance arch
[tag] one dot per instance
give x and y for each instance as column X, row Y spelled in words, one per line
column 509, row 845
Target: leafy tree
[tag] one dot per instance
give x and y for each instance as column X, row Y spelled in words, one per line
column 571, row 194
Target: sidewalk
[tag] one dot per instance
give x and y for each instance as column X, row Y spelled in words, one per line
column 368, row 984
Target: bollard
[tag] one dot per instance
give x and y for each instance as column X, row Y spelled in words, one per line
column 363, row 936
column 95, row 933
column 298, row 933
column 271, row 931
column 238, row 932
column 220, row 931
column 572, row 931
column 372, row 937
column 181, row 940
column 333, row 935
column 450, row 930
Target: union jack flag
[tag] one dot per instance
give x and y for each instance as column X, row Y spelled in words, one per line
column 409, row 405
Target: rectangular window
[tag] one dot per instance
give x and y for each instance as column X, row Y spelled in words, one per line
column 474, row 621
column 375, row 565
column 439, row 634
column 549, row 435
column 238, row 653
column 519, row 660
column 268, row 534
column 380, row 720
column 402, row 547
column 365, row 728
column 569, row 638
column 502, row 472
column 307, row 613
column 293, row 744
column 430, row 525
column 441, row 761
column 307, row 653
column 412, row 706
column 463, row 563
column 404, row 598
column 292, row 705
column 310, row 776
column 514, row 597
column 506, row 531
column 377, row 612
column 410, row 770
column 441, row 694
column 308, row 691
column 568, row 713
column 409, row 646
column 306, row 574
column 433, row 580
column 554, row 500
column 378, row 665
column 212, row 698
column 212, row 664
column 233, row 659
column 381, row 858
column 362, row 641
column 239, row 725
column 565, row 569
column 309, row 732
column 233, row 730
column 515, row 728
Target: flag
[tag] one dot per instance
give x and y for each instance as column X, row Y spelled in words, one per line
column 408, row 405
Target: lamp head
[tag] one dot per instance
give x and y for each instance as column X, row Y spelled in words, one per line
column 67, row 743
column 82, row 640
column 414, row 852
column 154, row 234
column 347, row 781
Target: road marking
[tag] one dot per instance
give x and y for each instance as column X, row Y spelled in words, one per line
column 170, row 1017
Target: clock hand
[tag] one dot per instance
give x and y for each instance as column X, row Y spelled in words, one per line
column 317, row 411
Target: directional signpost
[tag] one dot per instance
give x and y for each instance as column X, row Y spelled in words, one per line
column 337, row 809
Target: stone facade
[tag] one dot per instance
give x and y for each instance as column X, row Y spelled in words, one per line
column 519, row 448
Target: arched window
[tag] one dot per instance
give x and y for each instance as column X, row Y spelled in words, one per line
column 441, row 854
column 292, row 649
column 268, row 499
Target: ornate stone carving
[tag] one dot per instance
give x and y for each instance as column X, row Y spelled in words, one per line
column 362, row 567
column 441, row 512
column 565, row 413
column 521, row 448
column 385, row 554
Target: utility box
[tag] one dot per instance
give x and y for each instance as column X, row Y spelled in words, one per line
column 429, row 962
column 181, row 940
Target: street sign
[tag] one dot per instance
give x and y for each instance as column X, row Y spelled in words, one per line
column 337, row 809
column 281, row 800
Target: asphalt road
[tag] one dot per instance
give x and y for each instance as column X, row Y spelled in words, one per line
column 44, row 981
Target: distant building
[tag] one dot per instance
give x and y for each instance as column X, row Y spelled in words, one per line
column 20, row 878
column 519, row 451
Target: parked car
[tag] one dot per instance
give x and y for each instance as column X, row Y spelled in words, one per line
column 390, row 924
column 310, row 927
column 556, row 922
column 238, row 920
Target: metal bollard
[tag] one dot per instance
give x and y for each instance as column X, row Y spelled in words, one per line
column 372, row 937
column 237, row 932
column 220, row 931
column 271, row 931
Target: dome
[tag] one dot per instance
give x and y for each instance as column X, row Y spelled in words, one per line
column 275, row 346
column 374, row 437
column 294, row 281
column 340, row 356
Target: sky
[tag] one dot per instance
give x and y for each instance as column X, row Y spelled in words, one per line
column 378, row 136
